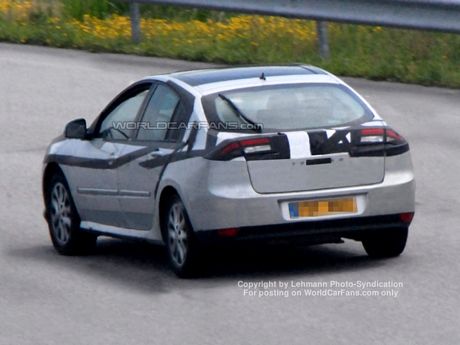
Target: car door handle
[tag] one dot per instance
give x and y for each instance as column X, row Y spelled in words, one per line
column 150, row 156
column 154, row 154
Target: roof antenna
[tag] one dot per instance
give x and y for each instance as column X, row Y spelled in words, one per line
column 262, row 76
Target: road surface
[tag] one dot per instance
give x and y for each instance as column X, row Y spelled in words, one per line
column 125, row 293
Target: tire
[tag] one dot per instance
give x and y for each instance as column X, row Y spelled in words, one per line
column 64, row 221
column 181, row 244
column 386, row 244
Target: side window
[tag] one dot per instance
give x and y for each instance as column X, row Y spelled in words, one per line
column 119, row 123
column 159, row 113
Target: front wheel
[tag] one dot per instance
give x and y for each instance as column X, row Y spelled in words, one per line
column 64, row 221
column 180, row 241
column 385, row 244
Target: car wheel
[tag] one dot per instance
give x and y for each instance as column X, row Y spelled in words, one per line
column 181, row 244
column 64, row 221
column 387, row 243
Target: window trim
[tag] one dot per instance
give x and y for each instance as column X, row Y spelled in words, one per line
column 140, row 116
column 127, row 93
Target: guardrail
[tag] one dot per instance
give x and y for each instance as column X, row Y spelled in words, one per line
column 438, row 15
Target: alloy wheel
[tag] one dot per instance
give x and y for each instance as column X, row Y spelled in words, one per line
column 60, row 213
column 177, row 234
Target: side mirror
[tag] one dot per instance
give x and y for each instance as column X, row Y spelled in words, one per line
column 76, row 129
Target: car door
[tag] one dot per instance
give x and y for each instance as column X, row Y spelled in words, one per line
column 97, row 179
column 158, row 136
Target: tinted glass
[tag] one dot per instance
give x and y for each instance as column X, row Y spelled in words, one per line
column 288, row 107
column 120, row 121
column 158, row 114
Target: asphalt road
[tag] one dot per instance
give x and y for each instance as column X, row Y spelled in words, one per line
column 125, row 294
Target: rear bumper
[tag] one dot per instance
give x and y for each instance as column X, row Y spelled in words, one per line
column 310, row 232
column 224, row 203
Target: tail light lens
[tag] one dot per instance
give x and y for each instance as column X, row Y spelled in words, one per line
column 379, row 135
column 380, row 141
column 228, row 232
column 406, row 217
column 255, row 148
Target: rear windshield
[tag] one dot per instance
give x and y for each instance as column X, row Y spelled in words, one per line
column 285, row 107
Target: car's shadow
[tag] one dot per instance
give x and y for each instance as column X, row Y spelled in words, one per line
column 276, row 261
column 145, row 267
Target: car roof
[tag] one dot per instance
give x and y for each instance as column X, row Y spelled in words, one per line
column 219, row 75
column 205, row 81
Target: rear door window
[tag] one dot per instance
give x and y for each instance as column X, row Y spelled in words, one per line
column 163, row 107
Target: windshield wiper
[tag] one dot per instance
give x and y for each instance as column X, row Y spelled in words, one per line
column 255, row 126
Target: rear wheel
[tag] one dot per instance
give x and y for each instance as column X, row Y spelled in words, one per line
column 180, row 241
column 388, row 243
column 64, row 222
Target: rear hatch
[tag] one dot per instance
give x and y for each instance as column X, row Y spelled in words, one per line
column 319, row 159
column 305, row 136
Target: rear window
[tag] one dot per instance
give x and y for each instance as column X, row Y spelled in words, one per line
column 285, row 107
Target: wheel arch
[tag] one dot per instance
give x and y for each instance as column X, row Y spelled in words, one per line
column 165, row 196
column 50, row 170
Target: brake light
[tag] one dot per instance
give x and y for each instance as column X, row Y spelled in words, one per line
column 378, row 135
column 242, row 147
column 393, row 136
column 406, row 217
column 256, row 145
column 274, row 147
column 379, row 141
column 228, row 232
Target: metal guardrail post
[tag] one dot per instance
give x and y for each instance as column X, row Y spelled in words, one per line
column 440, row 15
column 322, row 39
column 135, row 15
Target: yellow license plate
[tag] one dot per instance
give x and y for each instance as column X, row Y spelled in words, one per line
column 318, row 208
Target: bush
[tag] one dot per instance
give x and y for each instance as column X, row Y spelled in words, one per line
column 363, row 51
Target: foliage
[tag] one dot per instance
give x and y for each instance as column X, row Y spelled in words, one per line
column 363, row 51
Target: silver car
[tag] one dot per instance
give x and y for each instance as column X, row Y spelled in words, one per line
column 193, row 159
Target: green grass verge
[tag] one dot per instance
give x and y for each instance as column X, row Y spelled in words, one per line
column 382, row 54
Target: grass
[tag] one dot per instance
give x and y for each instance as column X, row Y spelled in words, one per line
column 425, row 58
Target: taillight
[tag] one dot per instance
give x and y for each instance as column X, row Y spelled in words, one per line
column 228, row 232
column 255, row 148
column 406, row 217
column 379, row 135
column 371, row 135
column 378, row 141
